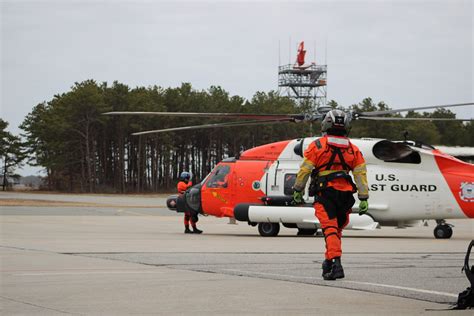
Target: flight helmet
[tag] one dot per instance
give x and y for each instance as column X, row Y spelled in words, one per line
column 336, row 122
column 185, row 176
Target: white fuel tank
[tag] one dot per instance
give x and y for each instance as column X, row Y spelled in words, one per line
column 294, row 214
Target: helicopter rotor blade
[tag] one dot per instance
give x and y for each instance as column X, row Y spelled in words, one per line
column 376, row 113
column 413, row 119
column 214, row 125
column 216, row 115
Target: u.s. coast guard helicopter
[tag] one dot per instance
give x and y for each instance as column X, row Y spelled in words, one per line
column 409, row 182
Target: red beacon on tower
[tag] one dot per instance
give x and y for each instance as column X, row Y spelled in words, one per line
column 301, row 54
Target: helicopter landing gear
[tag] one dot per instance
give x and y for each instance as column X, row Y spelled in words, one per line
column 443, row 230
column 306, row 231
column 268, row 229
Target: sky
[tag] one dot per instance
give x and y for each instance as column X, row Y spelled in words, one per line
column 405, row 53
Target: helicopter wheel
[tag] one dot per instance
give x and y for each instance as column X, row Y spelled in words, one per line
column 443, row 231
column 268, row 229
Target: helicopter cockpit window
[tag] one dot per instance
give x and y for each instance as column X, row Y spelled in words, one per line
column 290, row 179
column 219, row 177
column 396, row 152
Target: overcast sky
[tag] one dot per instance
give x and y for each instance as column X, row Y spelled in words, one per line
column 406, row 53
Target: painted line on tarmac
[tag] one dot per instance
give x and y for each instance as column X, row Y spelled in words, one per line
column 244, row 273
column 248, row 273
column 124, row 212
column 36, row 305
column 88, row 273
column 402, row 288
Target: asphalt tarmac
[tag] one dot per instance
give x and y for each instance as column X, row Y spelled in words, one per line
column 128, row 255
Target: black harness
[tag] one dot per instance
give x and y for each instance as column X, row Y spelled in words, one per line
column 320, row 183
column 336, row 203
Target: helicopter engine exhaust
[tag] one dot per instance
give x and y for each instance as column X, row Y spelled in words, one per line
column 294, row 214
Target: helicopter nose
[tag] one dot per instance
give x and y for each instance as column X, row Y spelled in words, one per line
column 193, row 198
column 171, row 202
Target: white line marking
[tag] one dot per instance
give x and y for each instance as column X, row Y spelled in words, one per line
column 403, row 288
column 355, row 282
column 133, row 213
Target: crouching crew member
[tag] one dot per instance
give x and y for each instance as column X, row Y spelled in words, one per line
column 190, row 217
column 328, row 160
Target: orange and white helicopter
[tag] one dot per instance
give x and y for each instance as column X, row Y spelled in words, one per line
column 409, row 182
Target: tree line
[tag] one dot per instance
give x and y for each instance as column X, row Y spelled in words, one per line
column 82, row 150
column 12, row 154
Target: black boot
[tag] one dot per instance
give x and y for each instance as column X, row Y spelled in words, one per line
column 337, row 272
column 188, row 231
column 196, row 230
column 327, row 265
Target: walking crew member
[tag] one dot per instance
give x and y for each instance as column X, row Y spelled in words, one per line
column 183, row 184
column 328, row 160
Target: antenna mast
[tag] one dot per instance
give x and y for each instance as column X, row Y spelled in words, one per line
column 303, row 82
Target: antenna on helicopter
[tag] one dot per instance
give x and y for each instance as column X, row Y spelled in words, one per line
column 405, row 136
column 241, row 150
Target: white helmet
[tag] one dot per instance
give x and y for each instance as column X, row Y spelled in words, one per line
column 336, row 122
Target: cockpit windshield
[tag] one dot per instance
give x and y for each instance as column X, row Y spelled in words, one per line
column 219, row 177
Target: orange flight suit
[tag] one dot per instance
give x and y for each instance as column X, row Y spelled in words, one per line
column 188, row 219
column 334, row 201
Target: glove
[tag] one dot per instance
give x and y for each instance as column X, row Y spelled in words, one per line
column 363, row 207
column 297, row 198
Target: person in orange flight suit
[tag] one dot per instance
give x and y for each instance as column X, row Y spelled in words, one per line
column 328, row 160
column 183, row 185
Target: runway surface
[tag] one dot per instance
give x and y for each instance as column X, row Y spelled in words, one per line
column 135, row 259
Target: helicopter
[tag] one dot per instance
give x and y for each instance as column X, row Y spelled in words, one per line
column 409, row 182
